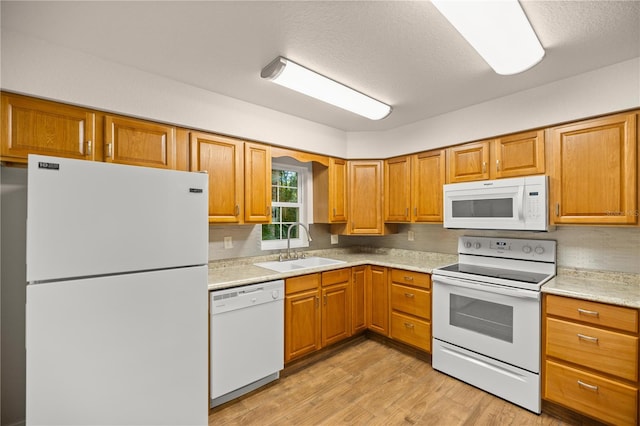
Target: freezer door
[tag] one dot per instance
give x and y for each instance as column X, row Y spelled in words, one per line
column 120, row 350
column 86, row 218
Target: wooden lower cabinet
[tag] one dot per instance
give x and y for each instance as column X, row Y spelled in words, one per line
column 336, row 306
column 410, row 297
column 377, row 299
column 590, row 358
column 317, row 311
column 358, row 298
column 301, row 316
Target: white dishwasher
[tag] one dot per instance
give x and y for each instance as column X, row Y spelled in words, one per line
column 247, row 339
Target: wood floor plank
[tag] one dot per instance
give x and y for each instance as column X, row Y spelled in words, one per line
column 370, row 383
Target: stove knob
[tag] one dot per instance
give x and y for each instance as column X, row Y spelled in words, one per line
column 539, row 250
column 526, row 249
column 477, row 245
column 467, row 244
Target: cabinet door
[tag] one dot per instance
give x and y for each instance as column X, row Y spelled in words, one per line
column 139, row 143
column 257, row 183
column 469, row 162
column 595, row 171
column 365, row 197
column 221, row 158
column 302, row 324
column 33, row 126
column 337, row 190
column 397, row 189
column 521, row 154
column 336, row 313
column 358, row 311
column 427, row 178
column 378, row 300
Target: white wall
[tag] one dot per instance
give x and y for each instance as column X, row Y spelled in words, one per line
column 39, row 68
column 609, row 89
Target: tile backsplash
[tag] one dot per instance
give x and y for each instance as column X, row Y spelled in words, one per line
column 580, row 247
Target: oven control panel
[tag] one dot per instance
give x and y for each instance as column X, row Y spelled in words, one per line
column 511, row 248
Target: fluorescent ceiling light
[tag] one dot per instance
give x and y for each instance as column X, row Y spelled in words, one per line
column 296, row 77
column 498, row 30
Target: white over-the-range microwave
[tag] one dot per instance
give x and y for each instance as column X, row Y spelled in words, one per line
column 505, row 204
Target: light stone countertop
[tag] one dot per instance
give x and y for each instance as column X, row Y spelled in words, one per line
column 607, row 287
column 239, row 272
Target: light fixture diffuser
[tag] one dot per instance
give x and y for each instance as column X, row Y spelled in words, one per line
column 498, row 30
column 296, row 77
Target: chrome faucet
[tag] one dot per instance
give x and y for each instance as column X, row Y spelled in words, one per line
column 309, row 239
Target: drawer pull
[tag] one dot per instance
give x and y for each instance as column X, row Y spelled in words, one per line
column 408, row 325
column 586, row 312
column 410, row 295
column 408, row 278
column 587, row 386
column 589, row 338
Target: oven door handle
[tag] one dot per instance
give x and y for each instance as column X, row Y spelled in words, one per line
column 491, row 288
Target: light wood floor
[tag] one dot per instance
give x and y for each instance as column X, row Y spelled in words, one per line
column 369, row 383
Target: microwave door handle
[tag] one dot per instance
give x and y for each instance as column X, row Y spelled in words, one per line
column 520, row 203
column 490, row 288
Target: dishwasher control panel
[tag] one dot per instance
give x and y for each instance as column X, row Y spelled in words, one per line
column 245, row 296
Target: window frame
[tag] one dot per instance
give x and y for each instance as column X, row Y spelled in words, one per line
column 304, row 197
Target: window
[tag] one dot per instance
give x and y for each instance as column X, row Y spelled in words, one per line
column 289, row 195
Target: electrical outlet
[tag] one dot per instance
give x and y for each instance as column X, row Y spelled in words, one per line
column 228, row 243
column 411, row 235
column 334, row 238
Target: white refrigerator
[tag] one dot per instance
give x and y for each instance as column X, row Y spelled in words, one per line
column 117, row 303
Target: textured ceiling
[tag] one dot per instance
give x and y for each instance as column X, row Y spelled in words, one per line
column 401, row 52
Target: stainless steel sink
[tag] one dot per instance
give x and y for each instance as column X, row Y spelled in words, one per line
column 297, row 264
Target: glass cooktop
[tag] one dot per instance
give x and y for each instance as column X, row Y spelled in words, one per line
column 498, row 273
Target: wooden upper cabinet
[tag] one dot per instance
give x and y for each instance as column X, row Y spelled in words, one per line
column 34, row 126
column 397, row 189
column 518, row 155
column 366, row 203
column 337, row 190
column 330, row 191
column 221, row 158
column 139, row 143
column 594, row 178
column 257, row 183
column 413, row 187
column 469, row 162
column 428, row 175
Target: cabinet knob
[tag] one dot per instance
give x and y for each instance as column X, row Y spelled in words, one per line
column 89, row 148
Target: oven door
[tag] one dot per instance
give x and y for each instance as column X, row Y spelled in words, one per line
column 499, row 322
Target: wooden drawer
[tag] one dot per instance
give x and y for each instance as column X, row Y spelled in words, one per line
column 335, row 277
column 591, row 394
column 602, row 350
column 417, row 279
column 411, row 300
column 411, row 330
column 301, row 283
column 602, row 314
